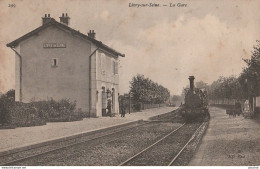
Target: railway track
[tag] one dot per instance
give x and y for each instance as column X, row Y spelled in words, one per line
column 164, row 151
column 42, row 154
column 187, row 143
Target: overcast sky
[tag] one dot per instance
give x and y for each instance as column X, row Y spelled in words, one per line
column 206, row 39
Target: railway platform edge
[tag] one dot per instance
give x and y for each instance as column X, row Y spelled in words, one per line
column 32, row 145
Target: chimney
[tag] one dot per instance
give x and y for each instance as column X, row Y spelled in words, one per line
column 46, row 19
column 92, row 34
column 191, row 78
column 64, row 19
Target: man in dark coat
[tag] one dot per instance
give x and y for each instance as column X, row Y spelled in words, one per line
column 238, row 108
column 123, row 110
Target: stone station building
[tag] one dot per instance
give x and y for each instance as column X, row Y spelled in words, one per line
column 56, row 61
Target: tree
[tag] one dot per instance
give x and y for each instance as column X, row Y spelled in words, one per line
column 250, row 76
column 225, row 88
column 146, row 91
column 201, row 85
column 7, row 101
column 247, row 85
column 176, row 99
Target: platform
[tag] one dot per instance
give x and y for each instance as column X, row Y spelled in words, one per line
column 25, row 136
column 229, row 141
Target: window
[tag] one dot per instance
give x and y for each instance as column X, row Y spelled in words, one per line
column 115, row 67
column 54, row 62
column 103, row 63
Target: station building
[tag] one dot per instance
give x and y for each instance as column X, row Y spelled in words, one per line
column 56, row 61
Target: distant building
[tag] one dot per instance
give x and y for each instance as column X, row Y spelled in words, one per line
column 56, row 61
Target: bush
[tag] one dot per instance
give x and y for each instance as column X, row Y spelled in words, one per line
column 137, row 106
column 63, row 110
column 6, row 102
column 18, row 114
column 24, row 115
column 44, row 109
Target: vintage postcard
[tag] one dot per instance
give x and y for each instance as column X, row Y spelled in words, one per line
column 129, row 83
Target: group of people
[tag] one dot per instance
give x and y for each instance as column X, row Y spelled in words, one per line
column 109, row 109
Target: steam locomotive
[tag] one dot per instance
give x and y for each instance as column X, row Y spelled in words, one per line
column 195, row 107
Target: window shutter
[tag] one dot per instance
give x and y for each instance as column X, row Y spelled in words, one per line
column 116, row 68
column 103, row 63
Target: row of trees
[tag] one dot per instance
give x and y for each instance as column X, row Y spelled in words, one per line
column 225, row 88
column 247, row 85
column 176, row 100
column 146, row 91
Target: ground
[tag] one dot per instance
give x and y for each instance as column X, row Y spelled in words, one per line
column 24, row 136
column 229, row 141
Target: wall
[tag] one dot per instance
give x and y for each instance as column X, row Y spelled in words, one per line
column 223, row 101
column 106, row 78
column 93, row 84
column 69, row 79
column 17, row 74
column 258, row 101
column 150, row 106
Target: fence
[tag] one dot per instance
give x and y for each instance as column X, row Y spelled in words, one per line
column 149, row 106
column 130, row 105
column 254, row 103
column 223, row 101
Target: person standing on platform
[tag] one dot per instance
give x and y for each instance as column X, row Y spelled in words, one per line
column 109, row 113
column 122, row 107
column 123, row 110
column 238, row 108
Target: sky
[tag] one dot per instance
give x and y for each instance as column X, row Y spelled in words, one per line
column 206, row 39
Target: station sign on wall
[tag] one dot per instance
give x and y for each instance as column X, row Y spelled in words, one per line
column 54, row 45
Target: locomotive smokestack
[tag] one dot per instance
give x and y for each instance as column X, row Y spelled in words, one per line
column 191, row 78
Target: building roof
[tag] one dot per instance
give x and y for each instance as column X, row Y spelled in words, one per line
column 73, row 31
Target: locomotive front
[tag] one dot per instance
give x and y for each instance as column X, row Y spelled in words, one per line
column 195, row 107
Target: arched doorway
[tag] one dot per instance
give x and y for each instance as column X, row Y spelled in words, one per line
column 104, row 101
column 113, row 100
